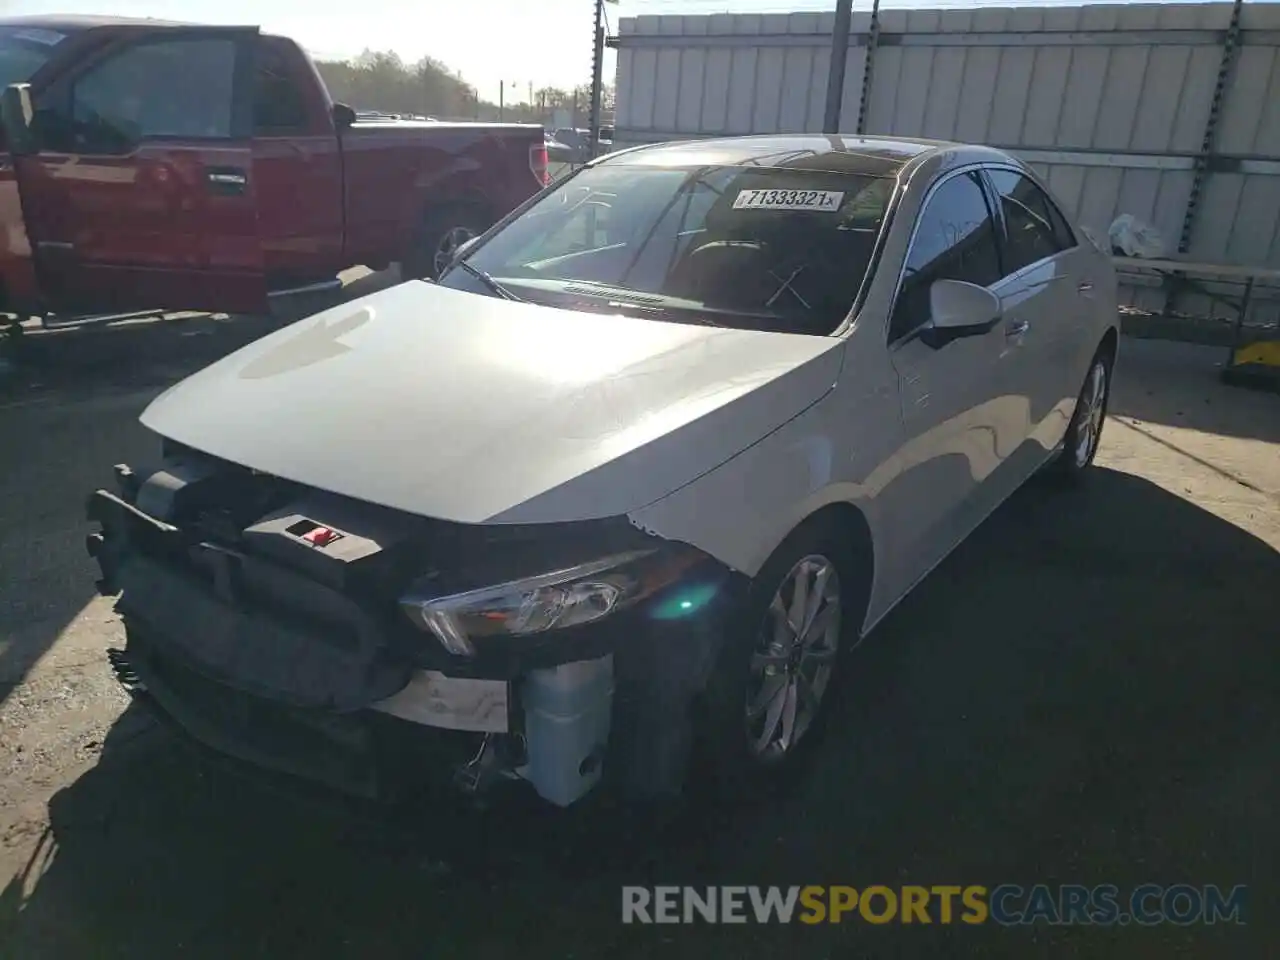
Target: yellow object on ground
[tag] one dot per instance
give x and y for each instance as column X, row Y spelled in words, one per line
column 1264, row 352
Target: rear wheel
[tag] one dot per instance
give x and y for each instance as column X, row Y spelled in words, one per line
column 1084, row 434
column 439, row 236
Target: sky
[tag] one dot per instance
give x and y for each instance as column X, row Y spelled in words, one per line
column 516, row 42
column 547, row 42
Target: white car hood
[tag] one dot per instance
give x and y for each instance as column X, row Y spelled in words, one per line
column 474, row 409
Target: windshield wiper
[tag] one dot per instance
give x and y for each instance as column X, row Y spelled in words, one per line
column 488, row 281
column 688, row 314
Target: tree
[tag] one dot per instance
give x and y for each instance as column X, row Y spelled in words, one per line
column 381, row 81
column 553, row 98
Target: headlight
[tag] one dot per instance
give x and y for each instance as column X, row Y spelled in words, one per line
column 557, row 599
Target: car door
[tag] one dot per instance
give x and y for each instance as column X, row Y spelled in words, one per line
column 139, row 196
column 1043, row 296
column 949, row 391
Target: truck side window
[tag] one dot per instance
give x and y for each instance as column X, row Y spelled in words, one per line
column 164, row 88
column 278, row 106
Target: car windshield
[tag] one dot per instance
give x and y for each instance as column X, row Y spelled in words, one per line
column 763, row 248
column 23, row 51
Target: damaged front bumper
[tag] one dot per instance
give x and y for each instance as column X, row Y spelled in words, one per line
column 252, row 649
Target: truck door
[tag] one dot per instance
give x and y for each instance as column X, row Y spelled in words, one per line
column 297, row 170
column 140, row 195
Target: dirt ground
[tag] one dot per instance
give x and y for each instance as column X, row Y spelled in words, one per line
column 1086, row 692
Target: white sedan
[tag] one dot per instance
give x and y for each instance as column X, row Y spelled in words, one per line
column 607, row 501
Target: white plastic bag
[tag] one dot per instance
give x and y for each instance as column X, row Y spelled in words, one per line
column 1133, row 238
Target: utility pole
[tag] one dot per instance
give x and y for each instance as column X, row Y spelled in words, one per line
column 597, row 76
column 868, row 70
column 839, row 58
column 502, row 89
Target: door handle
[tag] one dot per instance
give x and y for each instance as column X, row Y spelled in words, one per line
column 1086, row 288
column 226, row 180
column 1017, row 328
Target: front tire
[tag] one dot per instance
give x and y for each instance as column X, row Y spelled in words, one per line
column 1084, row 434
column 765, row 699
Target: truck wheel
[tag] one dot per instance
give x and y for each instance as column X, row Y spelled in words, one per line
column 441, row 233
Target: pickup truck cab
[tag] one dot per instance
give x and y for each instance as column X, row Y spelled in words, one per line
column 149, row 165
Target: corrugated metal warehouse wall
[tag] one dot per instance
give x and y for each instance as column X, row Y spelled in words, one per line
column 1109, row 102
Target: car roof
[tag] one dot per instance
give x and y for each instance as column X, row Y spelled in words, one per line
column 828, row 153
column 69, row 22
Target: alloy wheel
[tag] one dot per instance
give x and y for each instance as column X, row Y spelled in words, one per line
column 1089, row 415
column 794, row 658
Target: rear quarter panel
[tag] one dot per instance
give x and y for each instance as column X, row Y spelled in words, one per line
column 395, row 172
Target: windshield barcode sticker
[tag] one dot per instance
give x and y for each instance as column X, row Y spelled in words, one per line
column 788, row 200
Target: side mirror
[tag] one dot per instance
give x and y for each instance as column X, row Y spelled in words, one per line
column 343, row 116
column 960, row 309
column 16, row 114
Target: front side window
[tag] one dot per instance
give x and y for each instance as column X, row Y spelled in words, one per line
column 955, row 239
column 1034, row 229
column 170, row 88
column 777, row 249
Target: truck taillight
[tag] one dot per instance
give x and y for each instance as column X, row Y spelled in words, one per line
column 539, row 164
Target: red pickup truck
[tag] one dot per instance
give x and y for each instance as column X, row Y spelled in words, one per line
column 150, row 165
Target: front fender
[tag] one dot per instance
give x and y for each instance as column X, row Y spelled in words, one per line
column 741, row 511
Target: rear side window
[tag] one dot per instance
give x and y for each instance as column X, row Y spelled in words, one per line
column 278, row 106
column 955, row 239
column 1034, row 228
column 23, row 51
column 168, row 88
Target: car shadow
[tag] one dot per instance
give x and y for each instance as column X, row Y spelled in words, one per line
column 1082, row 693
column 1179, row 384
column 66, row 416
column 53, row 456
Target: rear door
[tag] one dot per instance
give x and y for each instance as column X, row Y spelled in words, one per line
column 141, row 196
column 1043, row 308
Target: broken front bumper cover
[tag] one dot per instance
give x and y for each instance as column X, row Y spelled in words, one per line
column 366, row 755
column 304, row 699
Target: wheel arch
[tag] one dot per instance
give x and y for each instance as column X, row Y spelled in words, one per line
column 471, row 200
column 854, row 531
column 430, row 216
column 1110, row 343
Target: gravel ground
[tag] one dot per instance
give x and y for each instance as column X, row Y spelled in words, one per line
column 1085, row 692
